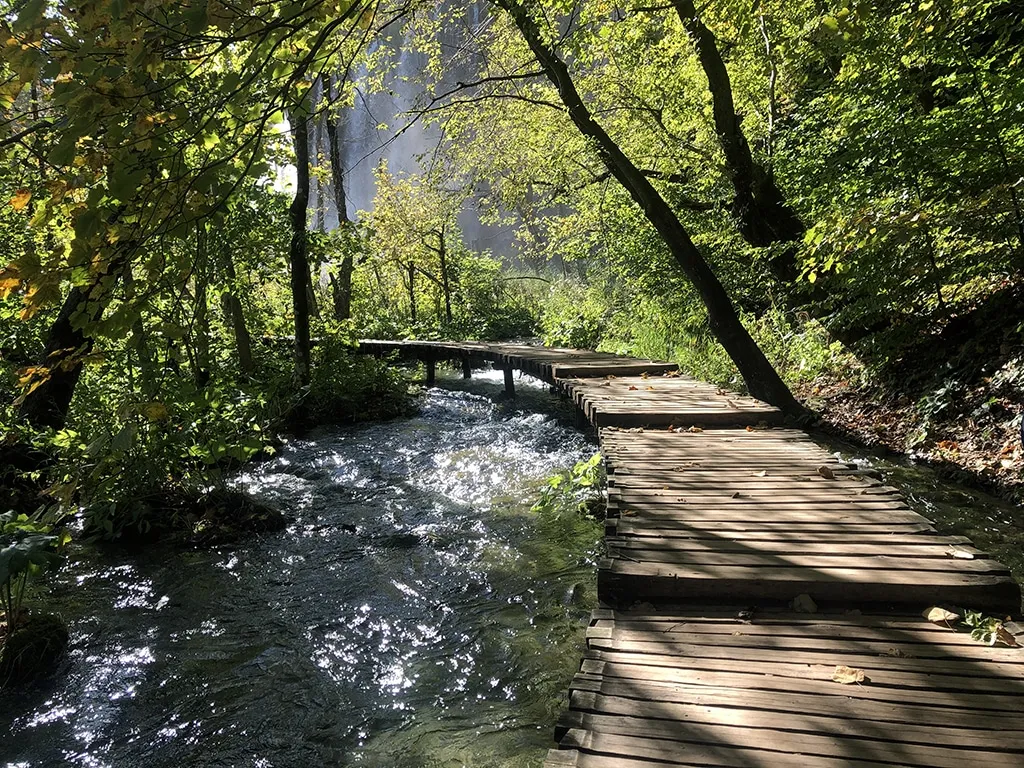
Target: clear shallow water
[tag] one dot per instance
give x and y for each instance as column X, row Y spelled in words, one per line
column 415, row 614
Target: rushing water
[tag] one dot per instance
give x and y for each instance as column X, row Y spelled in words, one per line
column 415, row 614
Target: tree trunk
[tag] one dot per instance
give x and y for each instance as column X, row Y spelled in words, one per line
column 232, row 307
column 759, row 206
column 297, row 254
column 412, row 291
column 761, row 378
column 201, row 332
column 341, row 283
column 442, row 255
column 66, row 344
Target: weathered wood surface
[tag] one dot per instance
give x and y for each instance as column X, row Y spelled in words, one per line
column 711, row 502
column 667, row 400
column 729, row 514
column 693, row 687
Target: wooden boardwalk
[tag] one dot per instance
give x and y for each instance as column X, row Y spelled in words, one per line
column 763, row 598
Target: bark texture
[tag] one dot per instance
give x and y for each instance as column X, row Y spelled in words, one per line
column 297, row 253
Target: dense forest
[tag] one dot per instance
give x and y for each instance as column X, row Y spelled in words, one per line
column 818, row 202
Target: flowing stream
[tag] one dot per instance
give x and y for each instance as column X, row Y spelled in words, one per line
column 416, row 613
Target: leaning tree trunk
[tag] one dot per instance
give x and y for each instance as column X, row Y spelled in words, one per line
column 297, row 254
column 761, row 378
column 341, row 283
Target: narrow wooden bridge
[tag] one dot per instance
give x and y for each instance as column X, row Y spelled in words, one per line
column 763, row 599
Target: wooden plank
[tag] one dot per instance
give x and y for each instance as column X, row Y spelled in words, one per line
column 770, row 561
column 705, row 682
column 806, row 735
column 711, row 542
column 637, row 524
column 625, row 582
column 590, row 694
column 931, row 672
column 823, row 670
column 783, row 743
column 805, row 650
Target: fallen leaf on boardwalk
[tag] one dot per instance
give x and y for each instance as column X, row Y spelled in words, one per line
column 632, row 388
column 750, row 428
column 605, row 384
column 762, row 473
column 959, row 552
column 649, row 389
column 629, row 513
column 644, row 375
column 695, row 429
column 1005, row 637
column 736, row 495
column 804, row 604
column 848, row 675
column 827, row 473
column 942, row 617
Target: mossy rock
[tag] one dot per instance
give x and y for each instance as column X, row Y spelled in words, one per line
column 225, row 516
column 33, row 650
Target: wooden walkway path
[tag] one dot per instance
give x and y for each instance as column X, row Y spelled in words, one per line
column 764, row 600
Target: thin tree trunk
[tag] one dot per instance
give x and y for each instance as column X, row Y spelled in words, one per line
column 232, row 307
column 442, row 257
column 341, row 283
column 201, row 332
column 761, row 378
column 412, row 291
column 297, row 254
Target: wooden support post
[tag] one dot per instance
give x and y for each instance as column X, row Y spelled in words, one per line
column 582, row 422
column 467, row 369
column 431, row 365
column 510, row 385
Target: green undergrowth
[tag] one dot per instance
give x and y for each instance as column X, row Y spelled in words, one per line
column 136, row 463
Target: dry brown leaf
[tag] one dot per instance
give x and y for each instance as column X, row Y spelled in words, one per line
column 848, row 675
column 20, row 199
column 629, row 513
column 941, row 616
column 695, row 429
column 649, row 389
column 644, row 375
column 749, row 428
column 1005, row 637
column 826, row 472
